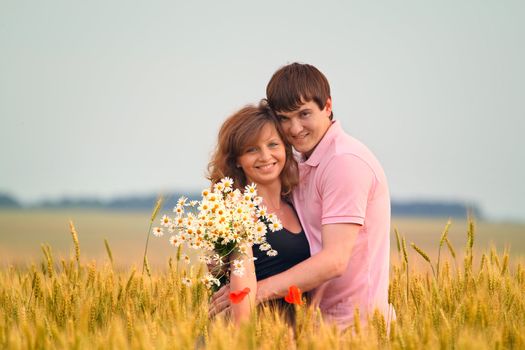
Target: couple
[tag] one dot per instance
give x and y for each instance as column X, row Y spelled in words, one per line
column 333, row 201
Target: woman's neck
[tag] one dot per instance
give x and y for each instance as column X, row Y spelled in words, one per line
column 271, row 194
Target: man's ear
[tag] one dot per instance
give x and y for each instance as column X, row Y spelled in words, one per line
column 328, row 105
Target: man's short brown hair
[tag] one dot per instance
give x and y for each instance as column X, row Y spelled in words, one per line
column 295, row 84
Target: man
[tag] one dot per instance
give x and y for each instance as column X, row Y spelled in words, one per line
column 342, row 202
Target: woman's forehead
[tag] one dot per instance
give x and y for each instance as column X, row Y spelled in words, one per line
column 267, row 132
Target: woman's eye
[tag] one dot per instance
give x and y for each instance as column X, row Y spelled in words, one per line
column 251, row 150
column 273, row 144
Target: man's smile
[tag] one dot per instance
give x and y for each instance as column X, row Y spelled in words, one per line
column 301, row 136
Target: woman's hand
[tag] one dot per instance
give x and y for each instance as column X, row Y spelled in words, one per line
column 220, row 301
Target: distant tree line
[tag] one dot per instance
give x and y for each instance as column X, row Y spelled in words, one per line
column 7, row 201
column 429, row 208
column 435, row 209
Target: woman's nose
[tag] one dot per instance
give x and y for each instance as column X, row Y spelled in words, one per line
column 265, row 153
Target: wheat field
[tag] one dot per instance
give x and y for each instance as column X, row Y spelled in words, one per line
column 457, row 296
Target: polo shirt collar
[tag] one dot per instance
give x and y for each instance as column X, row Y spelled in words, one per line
column 323, row 145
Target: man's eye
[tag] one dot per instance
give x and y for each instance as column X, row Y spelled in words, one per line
column 305, row 114
column 283, row 119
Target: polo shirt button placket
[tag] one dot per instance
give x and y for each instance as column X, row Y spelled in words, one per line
column 304, row 170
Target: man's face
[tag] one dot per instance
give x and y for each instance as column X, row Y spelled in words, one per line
column 306, row 126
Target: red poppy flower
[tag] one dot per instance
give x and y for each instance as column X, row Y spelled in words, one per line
column 238, row 296
column 294, row 296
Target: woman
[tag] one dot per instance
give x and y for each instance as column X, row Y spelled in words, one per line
column 251, row 149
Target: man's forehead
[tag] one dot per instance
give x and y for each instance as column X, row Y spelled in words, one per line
column 302, row 107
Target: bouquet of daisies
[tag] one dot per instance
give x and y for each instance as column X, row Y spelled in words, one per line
column 223, row 222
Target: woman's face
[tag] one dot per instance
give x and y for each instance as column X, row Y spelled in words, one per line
column 263, row 161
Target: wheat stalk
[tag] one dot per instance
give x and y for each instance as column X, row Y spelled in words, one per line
column 156, row 209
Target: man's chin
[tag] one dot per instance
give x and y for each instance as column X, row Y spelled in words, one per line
column 302, row 148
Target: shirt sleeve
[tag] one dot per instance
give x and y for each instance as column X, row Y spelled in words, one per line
column 346, row 185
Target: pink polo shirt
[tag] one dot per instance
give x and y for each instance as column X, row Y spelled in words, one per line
column 342, row 182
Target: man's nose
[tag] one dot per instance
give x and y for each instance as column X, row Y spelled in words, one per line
column 296, row 127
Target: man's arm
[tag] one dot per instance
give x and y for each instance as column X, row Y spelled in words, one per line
column 345, row 194
column 331, row 262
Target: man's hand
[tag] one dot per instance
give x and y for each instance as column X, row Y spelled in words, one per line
column 331, row 262
column 220, row 301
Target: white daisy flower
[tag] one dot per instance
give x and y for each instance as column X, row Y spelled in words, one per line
column 216, row 258
column 215, row 281
column 157, row 231
column 262, row 212
column 205, row 192
column 186, row 259
column 193, row 203
column 235, row 195
column 175, row 241
column 209, row 280
column 179, row 210
column 238, row 267
column 165, row 221
column 204, row 207
column 275, row 226
column 218, row 187
column 239, row 272
column 271, row 252
column 182, row 201
column 186, row 281
column 227, row 183
column 260, row 229
column 265, row 246
column 251, row 190
column 196, row 244
column 243, row 249
column 237, row 264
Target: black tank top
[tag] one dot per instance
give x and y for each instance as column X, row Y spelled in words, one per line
column 292, row 248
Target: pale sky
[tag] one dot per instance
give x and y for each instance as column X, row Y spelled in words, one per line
column 105, row 98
